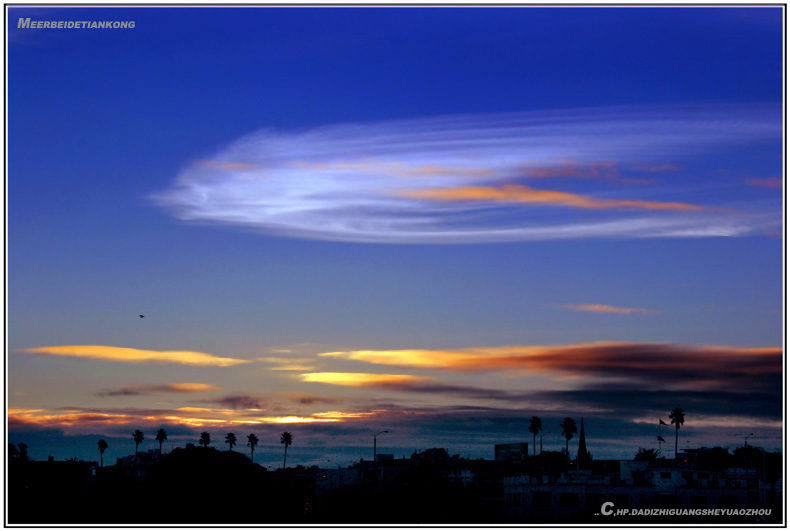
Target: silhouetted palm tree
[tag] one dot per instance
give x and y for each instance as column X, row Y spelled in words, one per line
column 646, row 454
column 138, row 438
column 161, row 436
column 287, row 440
column 568, row 426
column 677, row 417
column 535, row 425
column 205, row 439
column 252, row 442
column 102, row 446
column 231, row 440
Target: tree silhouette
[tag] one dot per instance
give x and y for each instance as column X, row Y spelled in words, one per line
column 231, row 440
column 205, row 439
column 13, row 451
column 568, row 426
column 677, row 417
column 102, row 447
column 535, row 425
column 252, row 442
column 161, row 436
column 646, row 454
column 287, row 440
column 23, row 456
column 716, row 459
column 138, row 438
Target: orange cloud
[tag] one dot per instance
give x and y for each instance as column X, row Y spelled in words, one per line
column 603, row 308
column 668, row 364
column 526, row 195
column 356, row 379
column 131, row 355
column 770, row 182
column 191, row 387
column 288, row 364
column 46, row 418
column 329, row 416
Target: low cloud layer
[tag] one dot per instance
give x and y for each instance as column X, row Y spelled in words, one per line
column 135, row 390
column 237, row 401
column 467, row 179
column 121, row 420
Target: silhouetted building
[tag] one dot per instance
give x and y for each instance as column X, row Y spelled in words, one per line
column 578, row 495
column 504, row 453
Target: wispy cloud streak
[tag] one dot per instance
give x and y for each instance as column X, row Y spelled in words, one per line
column 769, row 182
column 133, row 355
column 527, row 195
column 604, row 308
column 380, row 182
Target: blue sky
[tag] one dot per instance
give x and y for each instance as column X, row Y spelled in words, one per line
column 271, row 184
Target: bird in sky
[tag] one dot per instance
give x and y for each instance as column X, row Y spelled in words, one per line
column 142, row 316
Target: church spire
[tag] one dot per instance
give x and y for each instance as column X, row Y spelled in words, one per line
column 583, row 457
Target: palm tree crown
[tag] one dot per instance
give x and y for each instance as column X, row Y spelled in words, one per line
column 677, row 417
column 535, row 425
column 231, row 440
column 161, row 436
column 138, row 438
column 568, row 426
column 102, row 447
column 646, row 454
column 205, row 439
column 287, row 440
column 252, row 442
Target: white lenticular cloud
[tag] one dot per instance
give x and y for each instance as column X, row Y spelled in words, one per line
column 477, row 178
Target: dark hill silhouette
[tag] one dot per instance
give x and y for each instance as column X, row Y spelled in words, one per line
column 205, row 485
column 188, row 485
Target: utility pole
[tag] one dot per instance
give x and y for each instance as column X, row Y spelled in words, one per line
column 745, row 465
column 762, row 487
column 541, row 440
column 375, row 458
column 374, row 443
